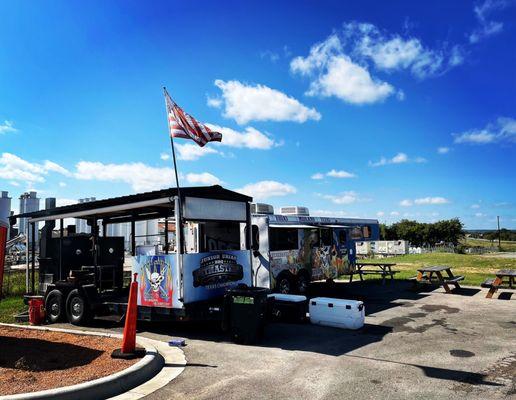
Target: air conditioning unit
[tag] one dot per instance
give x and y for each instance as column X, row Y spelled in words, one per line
column 262, row 208
column 295, row 210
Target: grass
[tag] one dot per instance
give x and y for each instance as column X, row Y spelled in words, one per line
column 9, row 307
column 475, row 268
column 13, row 290
column 505, row 244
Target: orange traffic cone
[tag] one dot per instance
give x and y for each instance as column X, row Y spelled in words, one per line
column 129, row 349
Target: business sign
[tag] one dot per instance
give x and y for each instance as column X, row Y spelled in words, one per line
column 208, row 275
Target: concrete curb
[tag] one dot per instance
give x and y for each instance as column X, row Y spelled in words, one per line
column 102, row 388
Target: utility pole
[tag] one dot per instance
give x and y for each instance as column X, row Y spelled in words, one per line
column 499, row 242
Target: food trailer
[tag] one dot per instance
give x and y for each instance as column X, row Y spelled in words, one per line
column 290, row 251
column 186, row 278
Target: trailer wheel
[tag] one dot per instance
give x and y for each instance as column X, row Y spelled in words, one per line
column 54, row 305
column 303, row 280
column 284, row 284
column 77, row 308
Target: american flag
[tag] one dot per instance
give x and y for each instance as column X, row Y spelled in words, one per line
column 183, row 125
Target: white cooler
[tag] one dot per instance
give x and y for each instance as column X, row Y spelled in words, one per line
column 339, row 313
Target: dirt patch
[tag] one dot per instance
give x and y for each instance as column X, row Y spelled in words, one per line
column 32, row 360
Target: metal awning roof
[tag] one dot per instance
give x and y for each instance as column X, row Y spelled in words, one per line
column 139, row 206
column 293, row 226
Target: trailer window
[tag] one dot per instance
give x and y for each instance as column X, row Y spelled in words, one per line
column 283, row 239
column 342, row 237
column 356, row 233
column 326, row 237
column 219, row 236
column 366, row 230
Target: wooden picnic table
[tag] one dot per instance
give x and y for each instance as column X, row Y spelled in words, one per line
column 426, row 274
column 382, row 268
column 510, row 274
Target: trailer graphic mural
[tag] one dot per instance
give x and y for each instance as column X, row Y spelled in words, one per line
column 155, row 286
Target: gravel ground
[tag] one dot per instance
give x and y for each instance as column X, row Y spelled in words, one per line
column 38, row 360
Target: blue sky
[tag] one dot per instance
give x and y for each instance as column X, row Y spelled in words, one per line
column 376, row 109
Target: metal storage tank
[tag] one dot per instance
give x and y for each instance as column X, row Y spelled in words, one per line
column 29, row 202
column 5, row 208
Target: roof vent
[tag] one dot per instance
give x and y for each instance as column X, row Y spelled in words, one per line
column 261, row 208
column 295, row 210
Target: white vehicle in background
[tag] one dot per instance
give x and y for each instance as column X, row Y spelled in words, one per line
column 292, row 249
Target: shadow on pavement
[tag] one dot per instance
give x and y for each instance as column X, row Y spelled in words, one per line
column 471, row 378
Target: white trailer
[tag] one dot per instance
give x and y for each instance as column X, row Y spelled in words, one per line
column 289, row 251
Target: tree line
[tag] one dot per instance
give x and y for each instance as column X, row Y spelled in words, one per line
column 505, row 234
column 424, row 234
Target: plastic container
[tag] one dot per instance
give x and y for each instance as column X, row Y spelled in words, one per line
column 247, row 310
column 339, row 313
column 36, row 311
column 287, row 307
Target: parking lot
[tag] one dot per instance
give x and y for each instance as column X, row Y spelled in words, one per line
column 414, row 345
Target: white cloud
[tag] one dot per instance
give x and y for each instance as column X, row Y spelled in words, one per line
column 214, row 102
column 164, row 156
column 475, row 206
column 333, row 73
column 338, row 66
column 7, row 127
column 391, row 52
column 340, row 174
column 479, row 215
column 348, row 197
column 431, row 200
column 424, row 201
column 380, row 214
column 502, row 130
column 443, row 150
column 349, row 82
column 394, row 213
column 486, row 26
column 406, row 203
column 204, row 178
column 250, row 138
column 62, row 184
column 265, row 189
column 400, row 158
column 140, row 176
column 52, row 166
column 245, row 103
column 192, row 152
column 270, row 55
column 333, row 174
column 14, row 168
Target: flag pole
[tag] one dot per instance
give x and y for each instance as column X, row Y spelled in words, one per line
column 179, row 202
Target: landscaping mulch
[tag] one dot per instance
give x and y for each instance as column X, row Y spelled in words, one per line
column 33, row 360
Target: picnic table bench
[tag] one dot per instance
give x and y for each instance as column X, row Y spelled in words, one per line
column 434, row 275
column 495, row 283
column 380, row 268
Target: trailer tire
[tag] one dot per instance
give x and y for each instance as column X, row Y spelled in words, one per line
column 78, row 309
column 284, row 284
column 54, row 306
column 303, row 280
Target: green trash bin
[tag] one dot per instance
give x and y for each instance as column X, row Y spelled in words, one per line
column 247, row 312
